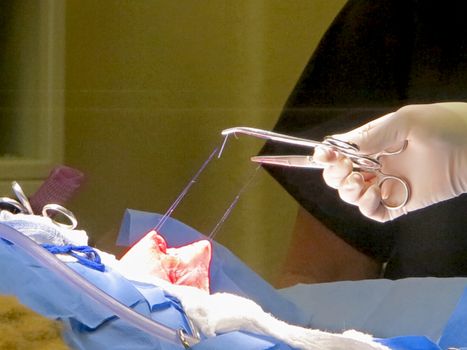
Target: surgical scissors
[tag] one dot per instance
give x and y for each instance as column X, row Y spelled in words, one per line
column 22, row 205
column 361, row 162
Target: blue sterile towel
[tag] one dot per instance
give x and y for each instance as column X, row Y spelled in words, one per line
column 386, row 308
column 389, row 309
column 227, row 272
column 89, row 325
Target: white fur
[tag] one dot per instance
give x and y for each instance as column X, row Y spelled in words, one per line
column 224, row 312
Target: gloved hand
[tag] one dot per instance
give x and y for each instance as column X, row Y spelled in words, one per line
column 434, row 163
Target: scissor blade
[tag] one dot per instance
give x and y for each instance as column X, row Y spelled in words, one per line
column 294, row 161
column 270, row 135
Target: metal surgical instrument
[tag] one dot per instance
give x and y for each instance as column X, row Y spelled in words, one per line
column 362, row 162
column 22, row 205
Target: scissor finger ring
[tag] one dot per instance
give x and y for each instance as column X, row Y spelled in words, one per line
column 8, row 204
column 385, row 201
column 64, row 211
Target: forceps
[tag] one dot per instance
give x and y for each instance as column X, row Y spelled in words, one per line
column 22, row 205
column 363, row 162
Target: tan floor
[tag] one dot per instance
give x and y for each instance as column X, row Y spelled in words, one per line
column 21, row 328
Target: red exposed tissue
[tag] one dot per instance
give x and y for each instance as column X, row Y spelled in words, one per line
column 187, row 265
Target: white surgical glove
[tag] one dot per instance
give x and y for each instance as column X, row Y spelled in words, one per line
column 434, row 163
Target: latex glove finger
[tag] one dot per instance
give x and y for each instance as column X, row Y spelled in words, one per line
column 370, row 204
column 352, row 188
column 326, row 155
column 335, row 173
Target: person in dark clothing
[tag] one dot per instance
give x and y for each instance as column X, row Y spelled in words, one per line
column 376, row 57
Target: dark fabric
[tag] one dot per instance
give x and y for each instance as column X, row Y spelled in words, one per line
column 376, row 57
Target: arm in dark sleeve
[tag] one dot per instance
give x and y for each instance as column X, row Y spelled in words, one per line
column 358, row 72
column 376, row 57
